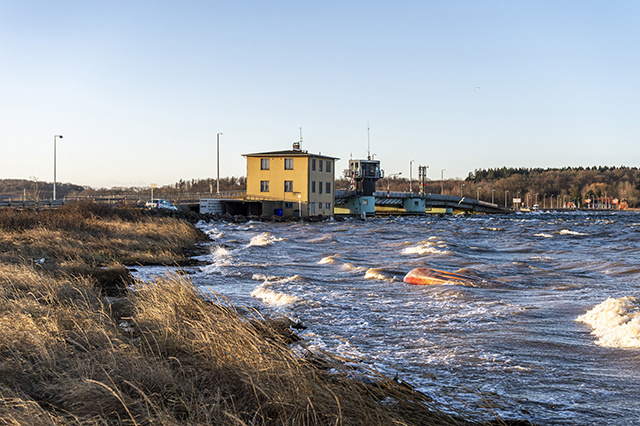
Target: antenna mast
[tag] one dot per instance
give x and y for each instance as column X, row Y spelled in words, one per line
column 368, row 143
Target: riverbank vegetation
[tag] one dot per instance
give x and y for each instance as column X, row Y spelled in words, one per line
column 82, row 343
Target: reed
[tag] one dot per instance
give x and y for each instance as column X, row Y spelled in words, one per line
column 164, row 352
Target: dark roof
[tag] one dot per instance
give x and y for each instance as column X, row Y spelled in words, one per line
column 288, row 153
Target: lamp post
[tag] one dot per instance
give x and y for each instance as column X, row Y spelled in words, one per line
column 218, row 158
column 519, row 202
column 54, row 164
column 411, row 175
column 478, row 193
column 544, row 201
column 299, row 205
column 389, row 181
column 461, row 187
column 493, row 193
column 442, row 181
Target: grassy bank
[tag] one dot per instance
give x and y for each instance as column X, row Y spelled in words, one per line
column 78, row 348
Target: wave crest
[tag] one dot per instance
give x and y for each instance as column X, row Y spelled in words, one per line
column 616, row 323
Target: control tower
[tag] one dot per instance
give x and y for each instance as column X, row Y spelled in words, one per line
column 363, row 175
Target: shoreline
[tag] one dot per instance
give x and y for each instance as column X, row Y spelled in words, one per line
column 82, row 342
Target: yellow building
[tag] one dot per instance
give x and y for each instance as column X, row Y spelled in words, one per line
column 291, row 183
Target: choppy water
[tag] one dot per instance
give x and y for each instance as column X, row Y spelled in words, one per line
column 553, row 336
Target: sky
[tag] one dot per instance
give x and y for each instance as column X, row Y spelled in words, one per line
column 140, row 89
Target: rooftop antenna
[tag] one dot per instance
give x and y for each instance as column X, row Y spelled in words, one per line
column 368, row 143
column 297, row 146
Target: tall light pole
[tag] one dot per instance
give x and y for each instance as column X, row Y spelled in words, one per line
column 442, row 181
column 411, row 175
column 54, row 164
column 493, row 193
column 505, row 199
column 478, row 193
column 389, row 181
column 218, row 158
column 461, row 186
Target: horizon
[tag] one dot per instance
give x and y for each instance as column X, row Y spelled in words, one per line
column 139, row 91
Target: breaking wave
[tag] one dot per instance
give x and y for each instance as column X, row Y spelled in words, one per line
column 264, row 239
column 568, row 232
column 616, row 323
column 328, row 259
column 378, row 274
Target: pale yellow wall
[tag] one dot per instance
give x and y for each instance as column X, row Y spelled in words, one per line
column 301, row 175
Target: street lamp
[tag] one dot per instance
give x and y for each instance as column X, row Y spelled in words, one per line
column 389, row 180
column 461, row 186
column 54, row 164
column 478, row 193
column 519, row 202
column 411, row 175
column 493, row 193
column 218, row 158
column 299, row 205
column 505, row 199
column 544, row 201
column 442, row 182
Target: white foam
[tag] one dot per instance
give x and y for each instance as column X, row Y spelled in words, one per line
column 542, row 234
column 272, row 298
column 424, row 249
column 328, row 259
column 568, row 232
column 377, row 274
column 351, row 267
column 263, row 239
column 616, row 323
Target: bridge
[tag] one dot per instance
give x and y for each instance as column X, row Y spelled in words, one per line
column 399, row 202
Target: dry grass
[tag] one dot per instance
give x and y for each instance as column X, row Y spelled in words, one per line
column 162, row 354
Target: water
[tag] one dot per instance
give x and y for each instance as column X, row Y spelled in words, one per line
column 513, row 342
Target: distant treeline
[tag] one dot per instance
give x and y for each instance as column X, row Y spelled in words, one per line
column 34, row 189
column 499, row 186
column 569, row 183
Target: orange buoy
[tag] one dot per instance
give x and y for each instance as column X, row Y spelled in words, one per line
column 428, row 276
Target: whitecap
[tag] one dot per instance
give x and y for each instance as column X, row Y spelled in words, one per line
column 424, row 249
column 616, row 323
column 272, row 298
column 328, row 259
column 264, row 239
column 568, row 232
column 542, row 234
column 378, row 274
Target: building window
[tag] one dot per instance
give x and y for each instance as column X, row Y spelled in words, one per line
column 313, row 208
column 313, row 186
column 319, row 206
column 313, row 164
column 329, row 166
column 328, row 206
column 288, row 205
column 264, row 164
column 320, row 165
column 288, row 186
column 320, row 186
column 264, row 186
column 328, row 186
column 288, row 163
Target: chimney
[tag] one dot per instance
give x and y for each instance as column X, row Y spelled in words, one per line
column 296, row 146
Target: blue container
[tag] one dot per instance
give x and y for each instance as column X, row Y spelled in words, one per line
column 278, row 212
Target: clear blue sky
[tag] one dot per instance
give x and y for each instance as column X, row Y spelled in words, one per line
column 139, row 89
